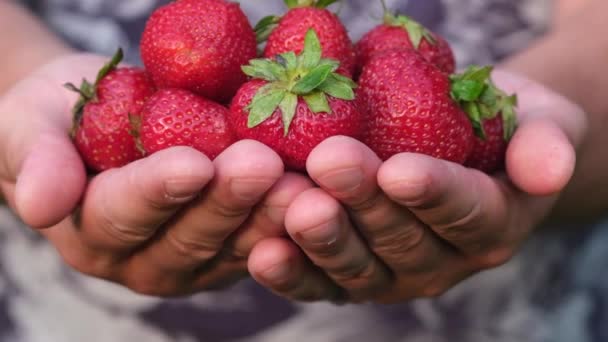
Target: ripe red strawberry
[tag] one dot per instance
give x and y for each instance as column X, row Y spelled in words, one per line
column 102, row 131
column 492, row 114
column 295, row 102
column 407, row 107
column 177, row 117
column 400, row 31
column 489, row 154
column 199, row 45
column 287, row 33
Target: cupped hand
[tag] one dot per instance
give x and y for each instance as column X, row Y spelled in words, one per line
column 414, row 226
column 171, row 224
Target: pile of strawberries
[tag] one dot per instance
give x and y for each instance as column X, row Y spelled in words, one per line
column 205, row 85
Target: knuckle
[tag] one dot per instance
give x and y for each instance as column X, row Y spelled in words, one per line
column 462, row 225
column 356, row 275
column 329, row 250
column 224, row 210
column 122, row 232
column 367, row 204
column 190, row 248
column 401, row 245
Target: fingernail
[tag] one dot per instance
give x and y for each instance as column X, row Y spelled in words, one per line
column 276, row 215
column 250, row 189
column 344, row 180
column 325, row 234
column 182, row 189
column 277, row 274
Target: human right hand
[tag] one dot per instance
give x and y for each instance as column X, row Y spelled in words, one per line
column 173, row 223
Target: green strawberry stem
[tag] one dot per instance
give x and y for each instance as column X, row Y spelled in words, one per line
column 88, row 91
column 415, row 30
column 289, row 77
column 482, row 100
column 309, row 3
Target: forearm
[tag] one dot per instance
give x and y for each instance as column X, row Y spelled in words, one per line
column 26, row 44
column 572, row 61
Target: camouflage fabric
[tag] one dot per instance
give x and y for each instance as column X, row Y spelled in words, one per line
column 552, row 291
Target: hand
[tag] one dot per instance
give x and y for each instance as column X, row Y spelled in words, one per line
column 415, row 226
column 170, row 224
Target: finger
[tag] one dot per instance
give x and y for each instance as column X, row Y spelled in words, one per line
column 319, row 225
column 123, row 208
column 541, row 156
column 268, row 219
column 347, row 170
column 467, row 208
column 541, row 159
column 37, row 159
column 280, row 266
column 243, row 175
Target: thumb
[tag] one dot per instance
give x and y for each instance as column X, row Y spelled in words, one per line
column 541, row 159
column 542, row 155
column 38, row 162
column 50, row 182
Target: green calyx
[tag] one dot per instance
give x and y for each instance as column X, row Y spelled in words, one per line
column 416, row 31
column 482, row 100
column 266, row 25
column 88, row 91
column 309, row 3
column 289, row 77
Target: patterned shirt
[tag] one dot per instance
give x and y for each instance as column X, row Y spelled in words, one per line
column 552, row 291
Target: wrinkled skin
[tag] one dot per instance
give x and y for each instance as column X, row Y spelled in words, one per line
column 415, row 226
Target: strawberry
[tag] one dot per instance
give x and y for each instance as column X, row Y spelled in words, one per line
column 400, row 31
column 492, row 113
column 178, row 117
column 287, row 33
column 199, row 45
column 101, row 128
column 295, row 102
column 407, row 107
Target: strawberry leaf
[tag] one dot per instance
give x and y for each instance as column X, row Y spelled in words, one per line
column 291, row 3
column 467, row 90
column 311, row 81
column 325, row 3
column 345, row 79
column 288, row 60
column 416, row 31
column 317, row 102
column 479, row 97
column 311, row 55
column 475, row 116
column 335, row 65
column 265, row 26
column 263, row 105
column 336, row 88
column 288, row 107
column 290, row 76
column 265, row 69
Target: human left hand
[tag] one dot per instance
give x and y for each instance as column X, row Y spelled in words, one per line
column 415, row 226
